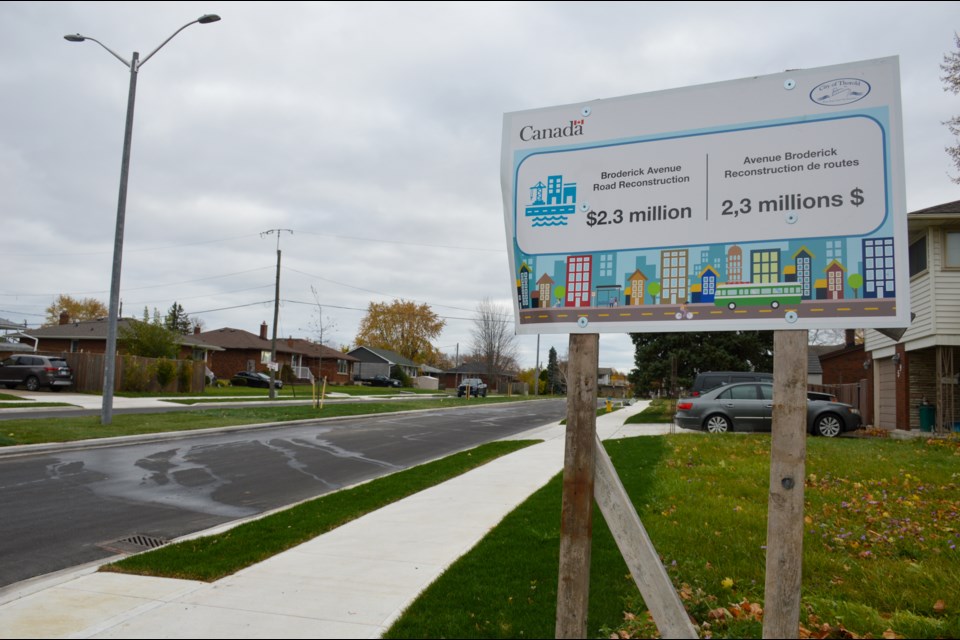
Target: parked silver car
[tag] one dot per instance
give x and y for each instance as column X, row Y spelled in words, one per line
column 34, row 371
column 748, row 406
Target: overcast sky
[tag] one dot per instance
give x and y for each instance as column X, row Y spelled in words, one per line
column 371, row 131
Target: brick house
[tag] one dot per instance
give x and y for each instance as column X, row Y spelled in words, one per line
column 923, row 364
column 245, row 351
column 90, row 336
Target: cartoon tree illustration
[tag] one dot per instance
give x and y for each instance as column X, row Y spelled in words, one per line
column 654, row 290
column 855, row 281
column 559, row 292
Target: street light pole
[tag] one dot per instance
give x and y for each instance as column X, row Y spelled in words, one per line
column 110, row 356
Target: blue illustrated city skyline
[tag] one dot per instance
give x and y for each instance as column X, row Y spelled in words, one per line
column 561, row 201
column 823, row 269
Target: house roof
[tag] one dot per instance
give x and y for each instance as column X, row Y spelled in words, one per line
column 938, row 210
column 78, row 330
column 474, row 367
column 390, row 357
column 97, row 330
column 314, row 350
column 6, row 325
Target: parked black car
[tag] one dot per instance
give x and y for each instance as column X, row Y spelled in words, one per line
column 748, row 406
column 382, row 381
column 34, row 371
column 254, row 379
column 476, row 386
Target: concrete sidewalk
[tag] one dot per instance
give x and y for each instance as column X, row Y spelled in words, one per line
column 352, row 582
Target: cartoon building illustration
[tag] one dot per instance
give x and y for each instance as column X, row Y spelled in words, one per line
column 765, row 266
column 878, row 279
column 673, row 276
column 835, row 277
column 523, row 286
column 803, row 263
column 735, row 264
column 545, row 290
column 708, row 284
column 605, row 280
column 579, row 284
column 638, row 286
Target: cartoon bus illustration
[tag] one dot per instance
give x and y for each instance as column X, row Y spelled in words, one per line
column 733, row 294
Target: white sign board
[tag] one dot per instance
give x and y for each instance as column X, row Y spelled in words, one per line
column 774, row 202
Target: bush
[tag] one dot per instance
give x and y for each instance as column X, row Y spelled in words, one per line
column 397, row 373
column 165, row 371
column 135, row 375
column 184, row 375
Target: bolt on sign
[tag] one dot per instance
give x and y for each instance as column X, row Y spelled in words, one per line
column 772, row 202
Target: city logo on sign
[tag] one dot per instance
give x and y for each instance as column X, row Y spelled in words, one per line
column 841, row 91
column 560, row 202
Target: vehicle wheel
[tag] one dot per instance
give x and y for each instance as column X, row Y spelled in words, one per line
column 775, row 304
column 717, row 424
column 828, row 426
column 32, row 383
column 732, row 306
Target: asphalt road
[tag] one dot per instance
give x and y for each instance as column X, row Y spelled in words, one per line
column 73, row 506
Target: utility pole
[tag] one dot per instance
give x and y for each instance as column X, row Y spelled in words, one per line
column 276, row 315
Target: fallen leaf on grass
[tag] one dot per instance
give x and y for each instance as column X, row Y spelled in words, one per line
column 939, row 606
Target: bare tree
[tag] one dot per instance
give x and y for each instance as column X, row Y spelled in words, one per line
column 494, row 343
column 951, row 83
column 322, row 325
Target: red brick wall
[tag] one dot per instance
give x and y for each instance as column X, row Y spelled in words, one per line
column 845, row 367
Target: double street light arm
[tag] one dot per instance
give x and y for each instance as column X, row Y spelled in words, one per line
column 110, row 354
column 135, row 66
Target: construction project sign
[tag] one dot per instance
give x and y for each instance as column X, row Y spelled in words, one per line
column 774, row 202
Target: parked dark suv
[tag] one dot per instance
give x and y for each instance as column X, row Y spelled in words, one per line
column 35, row 371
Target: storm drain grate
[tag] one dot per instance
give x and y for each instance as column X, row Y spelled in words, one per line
column 134, row 544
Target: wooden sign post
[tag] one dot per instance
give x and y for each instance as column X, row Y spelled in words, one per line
column 576, row 511
column 587, row 467
column 788, row 453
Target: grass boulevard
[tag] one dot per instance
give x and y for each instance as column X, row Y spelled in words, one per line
column 882, row 522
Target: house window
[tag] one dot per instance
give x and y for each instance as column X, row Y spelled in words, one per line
column 951, row 250
column 342, row 367
column 74, row 346
column 918, row 256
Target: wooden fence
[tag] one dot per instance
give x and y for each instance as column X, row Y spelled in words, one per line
column 133, row 373
column 856, row 393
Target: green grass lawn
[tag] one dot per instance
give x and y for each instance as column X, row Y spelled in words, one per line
column 212, row 557
column 660, row 410
column 288, row 392
column 43, row 430
column 882, row 523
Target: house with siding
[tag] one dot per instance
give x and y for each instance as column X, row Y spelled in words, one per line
column 922, row 366
column 372, row 361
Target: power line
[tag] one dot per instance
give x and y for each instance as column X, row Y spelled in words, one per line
column 400, row 242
